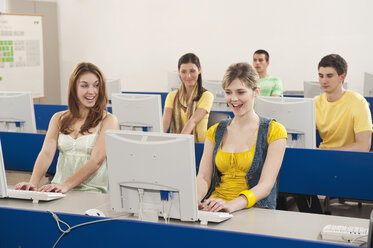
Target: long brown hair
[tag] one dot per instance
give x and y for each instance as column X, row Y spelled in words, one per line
column 96, row 113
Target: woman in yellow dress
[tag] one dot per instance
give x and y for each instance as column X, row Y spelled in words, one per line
column 187, row 109
column 242, row 156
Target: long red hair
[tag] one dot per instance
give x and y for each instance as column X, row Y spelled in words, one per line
column 96, row 113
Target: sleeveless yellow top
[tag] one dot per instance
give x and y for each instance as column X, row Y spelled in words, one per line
column 234, row 166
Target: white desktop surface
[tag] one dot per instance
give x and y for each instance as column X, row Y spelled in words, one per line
column 75, row 203
column 279, row 223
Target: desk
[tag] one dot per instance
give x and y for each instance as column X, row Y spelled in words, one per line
column 246, row 227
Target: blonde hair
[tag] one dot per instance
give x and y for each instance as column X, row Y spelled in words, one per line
column 244, row 72
column 96, row 113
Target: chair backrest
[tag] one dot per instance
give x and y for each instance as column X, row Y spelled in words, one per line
column 215, row 117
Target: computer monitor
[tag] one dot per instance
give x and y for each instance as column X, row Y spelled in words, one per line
column 113, row 86
column 174, row 80
column 296, row 114
column 17, row 112
column 370, row 234
column 368, row 84
column 3, row 183
column 142, row 164
column 313, row 88
column 216, row 88
column 138, row 111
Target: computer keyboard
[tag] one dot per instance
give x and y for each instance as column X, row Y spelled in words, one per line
column 206, row 216
column 34, row 195
column 347, row 234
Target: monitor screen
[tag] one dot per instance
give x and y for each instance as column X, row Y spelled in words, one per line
column 17, row 112
column 296, row 114
column 3, row 183
column 368, row 84
column 313, row 88
column 138, row 112
column 113, row 86
column 174, row 81
column 216, row 88
column 370, row 234
column 142, row 164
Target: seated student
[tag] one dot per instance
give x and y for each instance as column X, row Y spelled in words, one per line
column 79, row 135
column 187, row 109
column 242, row 156
column 269, row 85
column 343, row 118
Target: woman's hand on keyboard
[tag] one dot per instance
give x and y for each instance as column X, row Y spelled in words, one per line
column 216, row 205
column 59, row 188
column 25, row 186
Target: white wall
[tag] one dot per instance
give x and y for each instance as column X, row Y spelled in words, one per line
column 139, row 41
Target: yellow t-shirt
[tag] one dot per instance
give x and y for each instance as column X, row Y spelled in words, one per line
column 205, row 102
column 234, row 166
column 339, row 121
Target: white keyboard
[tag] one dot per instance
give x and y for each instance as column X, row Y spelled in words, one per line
column 347, row 234
column 34, row 195
column 205, row 216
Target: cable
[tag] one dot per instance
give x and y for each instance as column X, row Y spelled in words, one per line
column 167, row 214
column 356, row 239
column 141, row 203
column 58, row 221
column 309, row 203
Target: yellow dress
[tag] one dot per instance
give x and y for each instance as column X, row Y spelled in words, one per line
column 234, row 166
column 205, row 102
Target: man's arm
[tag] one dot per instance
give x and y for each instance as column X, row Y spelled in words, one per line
column 362, row 143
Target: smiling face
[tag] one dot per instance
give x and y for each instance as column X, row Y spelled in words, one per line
column 240, row 97
column 189, row 74
column 87, row 89
column 329, row 80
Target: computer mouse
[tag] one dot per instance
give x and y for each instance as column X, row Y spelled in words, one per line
column 94, row 212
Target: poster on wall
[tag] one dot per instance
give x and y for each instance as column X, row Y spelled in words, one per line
column 21, row 53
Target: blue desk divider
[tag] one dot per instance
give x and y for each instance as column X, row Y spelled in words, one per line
column 326, row 172
column 305, row 171
column 30, row 228
column 20, row 150
column 298, row 96
column 44, row 112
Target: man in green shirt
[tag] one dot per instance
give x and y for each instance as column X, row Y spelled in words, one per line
column 269, row 85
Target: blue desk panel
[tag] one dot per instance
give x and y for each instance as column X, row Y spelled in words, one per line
column 299, row 96
column 304, row 171
column 324, row 172
column 44, row 112
column 20, row 150
column 28, row 228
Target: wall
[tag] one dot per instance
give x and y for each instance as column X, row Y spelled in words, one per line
column 50, row 40
column 139, row 41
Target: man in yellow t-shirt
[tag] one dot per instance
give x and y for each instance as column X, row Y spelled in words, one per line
column 343, row 118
